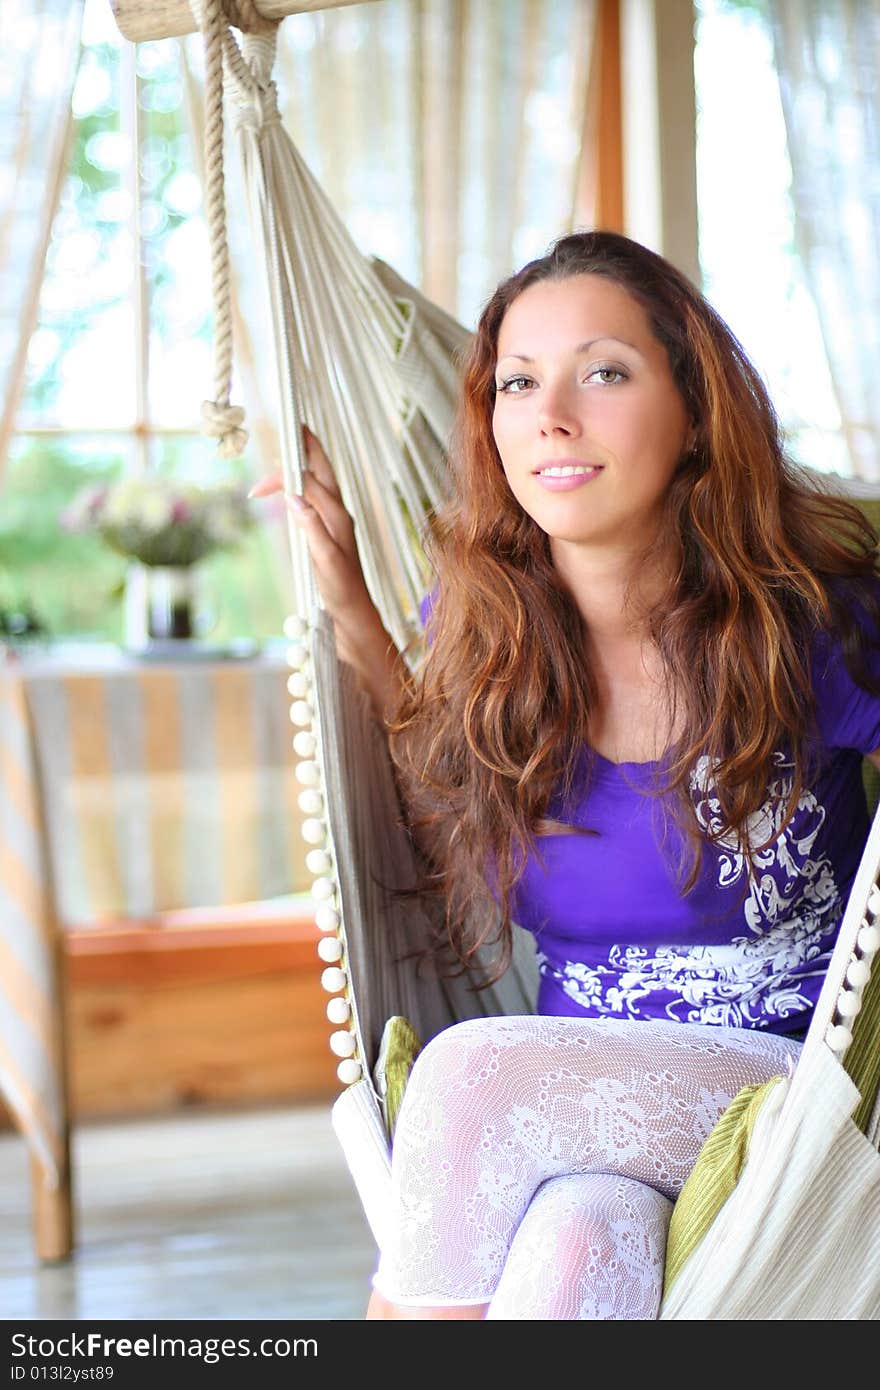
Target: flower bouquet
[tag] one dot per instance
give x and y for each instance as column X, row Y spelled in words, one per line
column 159, row 521
column 166, row 527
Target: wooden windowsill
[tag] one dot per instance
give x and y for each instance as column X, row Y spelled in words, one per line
column 194, row 944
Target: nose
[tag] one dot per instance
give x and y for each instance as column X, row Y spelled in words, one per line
column 558, row 412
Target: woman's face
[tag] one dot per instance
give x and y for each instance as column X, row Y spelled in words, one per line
column 583, row 383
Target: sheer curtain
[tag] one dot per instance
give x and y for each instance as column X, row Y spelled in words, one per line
column 826, row 57
column 449, row 134
column 38, row 62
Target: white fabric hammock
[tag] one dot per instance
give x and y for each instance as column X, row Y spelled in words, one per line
column 367, row 362
column 800, row 1235
column 378, row 387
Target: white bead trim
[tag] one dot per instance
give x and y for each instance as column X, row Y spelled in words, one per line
column 838, row 1038
column 314, row 831
column 297, row 656
column 858, row 974
column 311, row 802
column 323, row 890
column 318, row 861
column 308, row 774
column 343, row 1043
column 299, row 685
column 849, row 1004
column 326, row 917
column 330, row 949
column 868, row 940
column 305, row 744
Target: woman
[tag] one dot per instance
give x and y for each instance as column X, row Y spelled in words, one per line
column 638, row 732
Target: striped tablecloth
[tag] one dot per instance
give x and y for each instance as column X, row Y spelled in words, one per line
column 127, row 788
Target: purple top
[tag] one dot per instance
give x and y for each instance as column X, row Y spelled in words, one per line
column 617, row 939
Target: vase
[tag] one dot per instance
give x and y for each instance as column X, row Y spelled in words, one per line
column 161, row 605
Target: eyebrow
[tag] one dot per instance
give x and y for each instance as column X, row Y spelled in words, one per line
column 581, row 347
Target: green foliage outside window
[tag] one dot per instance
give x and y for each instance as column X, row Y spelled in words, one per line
column 74, row 583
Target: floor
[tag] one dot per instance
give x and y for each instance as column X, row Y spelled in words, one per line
column 204, row 1215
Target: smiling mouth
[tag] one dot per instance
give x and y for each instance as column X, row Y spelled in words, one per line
column 568, row 470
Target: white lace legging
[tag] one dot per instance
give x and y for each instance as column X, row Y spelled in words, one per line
column 535, row 1159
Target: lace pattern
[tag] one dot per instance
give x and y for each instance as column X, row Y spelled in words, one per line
column 590, row 1247
column 495, row 1108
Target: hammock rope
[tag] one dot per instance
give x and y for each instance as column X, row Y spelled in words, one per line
column 220, row 419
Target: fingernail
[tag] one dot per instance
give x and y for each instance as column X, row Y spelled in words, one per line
column 297, row 503
column 253, row 491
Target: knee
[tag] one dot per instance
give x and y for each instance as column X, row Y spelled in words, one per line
column 440, row 1090
column 596, row 1219
column 462, row 1050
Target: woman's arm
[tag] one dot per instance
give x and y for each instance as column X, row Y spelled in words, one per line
column 363, row 642
column 361, row 638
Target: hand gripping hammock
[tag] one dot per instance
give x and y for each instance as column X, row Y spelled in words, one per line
column 369, row 363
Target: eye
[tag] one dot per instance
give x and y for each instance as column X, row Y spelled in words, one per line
column 514, row 385
column 608, row 372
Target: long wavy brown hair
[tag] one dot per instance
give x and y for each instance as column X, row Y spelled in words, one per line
column 497, row 717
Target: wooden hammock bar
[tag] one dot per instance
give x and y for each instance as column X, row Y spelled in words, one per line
column 140, row 20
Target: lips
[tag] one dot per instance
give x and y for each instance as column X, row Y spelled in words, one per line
column 566, row 481
column 566, row 463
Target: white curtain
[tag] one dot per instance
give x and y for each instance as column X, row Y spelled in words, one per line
column 827, row 59
column 447, row 133
column 39, row 55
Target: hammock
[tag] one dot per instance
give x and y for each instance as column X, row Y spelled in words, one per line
column 378, row 387
column 369, row 363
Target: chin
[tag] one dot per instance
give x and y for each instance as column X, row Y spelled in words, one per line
column 576, row 535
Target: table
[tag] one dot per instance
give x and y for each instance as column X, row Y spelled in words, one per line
column 128, row 787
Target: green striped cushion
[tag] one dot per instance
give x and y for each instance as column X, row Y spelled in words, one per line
column 722, row 1157
column 398, row 1050
column 713, row 1176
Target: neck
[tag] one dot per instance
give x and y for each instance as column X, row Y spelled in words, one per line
column 612, row 589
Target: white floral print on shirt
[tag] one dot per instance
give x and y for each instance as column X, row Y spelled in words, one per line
column 791, row 912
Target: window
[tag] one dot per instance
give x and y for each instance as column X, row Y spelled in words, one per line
column 483, row 111
column 752, row 272
column 121, row 356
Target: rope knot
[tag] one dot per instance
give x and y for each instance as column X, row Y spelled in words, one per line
column 223, row 423
column 247, row 16
column 257, row 109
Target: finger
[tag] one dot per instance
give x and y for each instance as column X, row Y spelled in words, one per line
column 331, row 509
column 319, row 464
column 321, row 543
column 265, row 487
